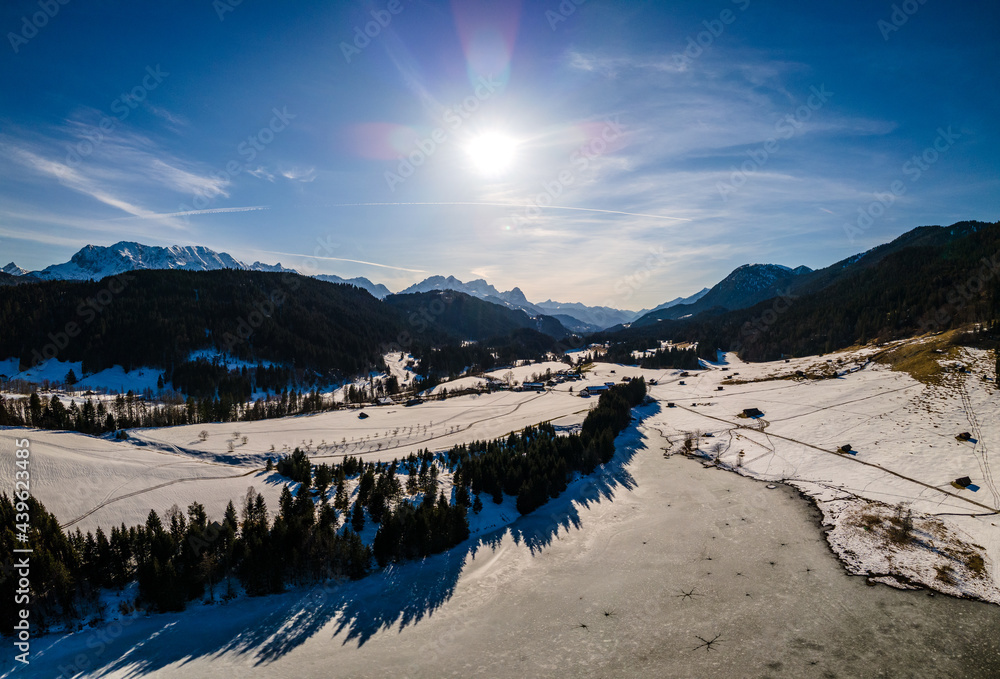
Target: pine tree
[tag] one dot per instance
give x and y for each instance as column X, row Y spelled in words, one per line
column 358, row 518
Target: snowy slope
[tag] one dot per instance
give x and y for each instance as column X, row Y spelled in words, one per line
column 89, row 482
column 627, row 574
column 14, row 270
column 902, row 433
column 96, row 262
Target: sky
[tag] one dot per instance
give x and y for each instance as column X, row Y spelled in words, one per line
column 614, row 153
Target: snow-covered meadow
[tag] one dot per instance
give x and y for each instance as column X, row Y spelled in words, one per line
column 636, row 537
column 904, row 456
column 652, row 567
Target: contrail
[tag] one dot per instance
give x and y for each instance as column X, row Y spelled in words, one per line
column 342, row 259
column 543, row 207
column 210, row 211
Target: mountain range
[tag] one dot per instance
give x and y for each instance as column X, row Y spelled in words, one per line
column 94, row 262
column 928, row 278
column 932, row 278
column 745, row 287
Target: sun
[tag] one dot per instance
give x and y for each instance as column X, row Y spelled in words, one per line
column 492, row 153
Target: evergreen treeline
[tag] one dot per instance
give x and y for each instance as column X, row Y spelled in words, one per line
column 183, row 555
column 291, row 332
column 203, row 379
column 442, row 361
column 660, row 358
column 466, row 317
column 129, row 411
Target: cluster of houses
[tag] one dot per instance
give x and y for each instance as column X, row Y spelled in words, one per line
column 558, row 378
column 593, row 389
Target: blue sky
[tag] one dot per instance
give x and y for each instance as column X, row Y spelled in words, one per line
column 609, row 153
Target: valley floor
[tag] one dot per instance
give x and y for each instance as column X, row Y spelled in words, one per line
column 632, row 570
column 653, row 567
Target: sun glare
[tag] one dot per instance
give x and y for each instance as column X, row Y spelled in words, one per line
column 492, row 153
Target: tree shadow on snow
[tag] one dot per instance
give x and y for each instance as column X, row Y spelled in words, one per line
column 260, row 631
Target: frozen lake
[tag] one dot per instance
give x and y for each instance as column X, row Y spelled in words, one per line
column 626, row 575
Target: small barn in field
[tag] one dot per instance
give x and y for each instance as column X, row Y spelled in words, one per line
column 752, row 412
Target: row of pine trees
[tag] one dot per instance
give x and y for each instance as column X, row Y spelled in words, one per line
column 314, row 535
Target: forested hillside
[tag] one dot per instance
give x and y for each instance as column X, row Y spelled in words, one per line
column 158, row 318
column 291, row 330
column 950, row 278
column 314, row 536
column 467, row 318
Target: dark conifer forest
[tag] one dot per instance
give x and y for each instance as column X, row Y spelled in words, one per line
column 931, row 280
column 313, row 535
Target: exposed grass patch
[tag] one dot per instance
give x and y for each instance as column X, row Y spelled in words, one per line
column 869, row 521
column 922, row 360
column 945, row 574
column 900, row 529
column 976, row 564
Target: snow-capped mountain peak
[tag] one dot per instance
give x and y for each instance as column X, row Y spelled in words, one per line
column 14, row 270
column 96, row 262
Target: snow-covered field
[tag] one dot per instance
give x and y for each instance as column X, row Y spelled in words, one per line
column 394, row 431
column 631, row 573
column 904, row 457
column 89, row 482
column 902, row 434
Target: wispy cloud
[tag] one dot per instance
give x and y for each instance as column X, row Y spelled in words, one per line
column 72, row 179
column 122, row 170
column 341, row 259
column 261, row 173
column 518, row 205
column 299, row 174
column 210, row 211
